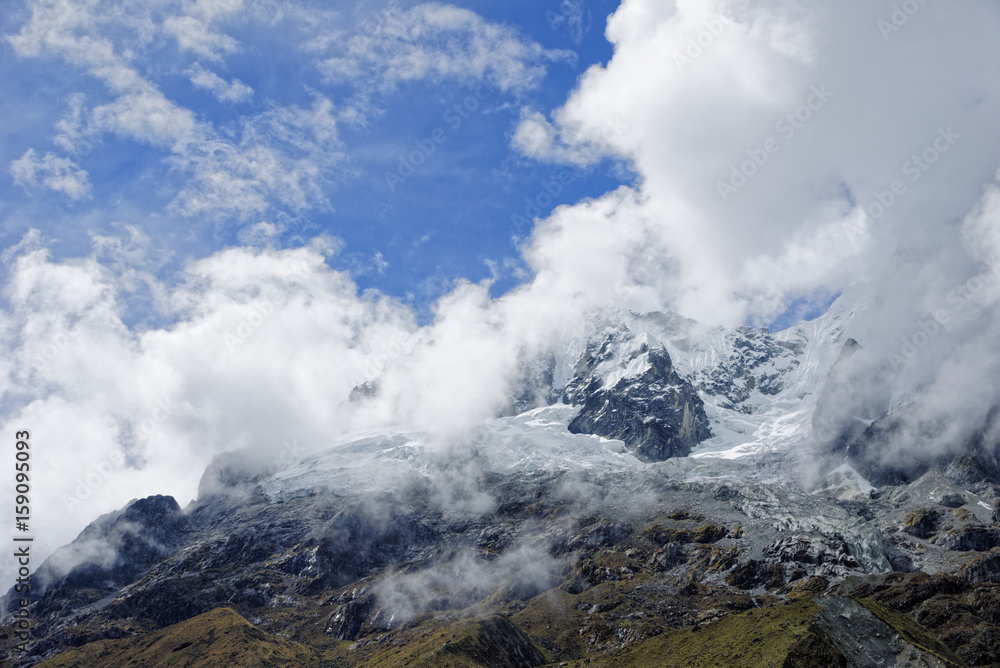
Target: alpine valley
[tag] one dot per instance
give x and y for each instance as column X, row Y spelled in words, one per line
column 656, row 493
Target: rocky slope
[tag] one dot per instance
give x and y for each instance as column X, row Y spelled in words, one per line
column 647, row 501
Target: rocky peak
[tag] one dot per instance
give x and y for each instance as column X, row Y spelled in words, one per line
column 113, row 551
column 656, row 413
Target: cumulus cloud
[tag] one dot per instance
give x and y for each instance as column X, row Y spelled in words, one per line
column 125, row 409
column 228, row 359
column 138, row 379
column 777, row 167
column 286, row 154
column 701, row 89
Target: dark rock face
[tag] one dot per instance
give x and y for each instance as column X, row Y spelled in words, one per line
column 896, row 448
column 371, row 566
column 970, row 539
column 366, row 390
column 705, row 535
column 922, row 523
column 346, row 569
column 754, row 574
column 864, row 639
column 869, row 451
column 815, row 651
column 816, row 550
column 657, row 414
column 358, row 541
column 979, row 465
column 841, row 402
column 952, row 500
column 534, row 385
column 984, row 568
column 602, row 534
column 757, row 362
column 881, row 455
column 113, row 551
column 958, row 610
column 348, row 619
column 500, row 643
column 171, row 600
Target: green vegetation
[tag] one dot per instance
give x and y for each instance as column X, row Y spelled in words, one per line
column 219, row 637
column 662, row 535
column 911, row 631
column 469, row 643
column 757, row 638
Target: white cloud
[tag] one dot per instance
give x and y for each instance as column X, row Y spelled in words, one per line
column 225, row 91
column 698, row 88
column 776, row 166
column 283, row 156
column 194, row 35
column 194, row 31
column 286, row 156
column 537, row 137
column 145, row 115
column 96, row 390
column 53, row 172
column 436, row 42
column 260, row 234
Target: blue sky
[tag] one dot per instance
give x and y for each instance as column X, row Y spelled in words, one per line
column 451, row 219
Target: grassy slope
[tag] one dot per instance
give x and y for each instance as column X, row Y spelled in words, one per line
column 911, row 631
column 780, row 636
column 757, row 638
column 468, row 643
column 220, row 637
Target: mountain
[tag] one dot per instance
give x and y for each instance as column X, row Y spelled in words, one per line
column 658, row 492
